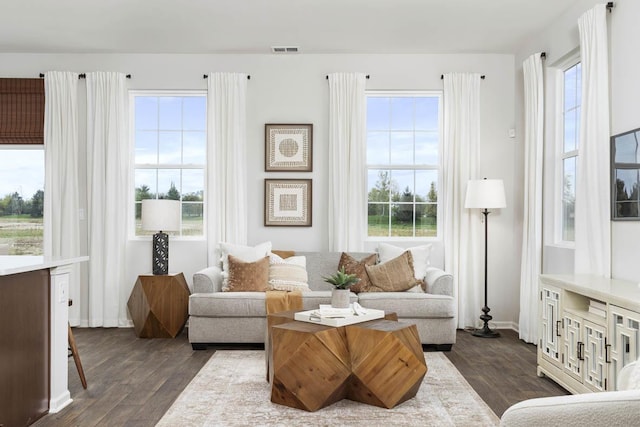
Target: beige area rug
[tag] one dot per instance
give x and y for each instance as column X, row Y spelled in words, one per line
column 231, row 390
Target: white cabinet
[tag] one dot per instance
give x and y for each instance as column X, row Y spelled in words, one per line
column 589, row 330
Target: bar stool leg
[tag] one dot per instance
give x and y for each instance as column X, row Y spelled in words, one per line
column 76, row 358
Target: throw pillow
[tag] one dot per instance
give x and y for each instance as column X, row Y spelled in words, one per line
column 242, row 252
column 248, row 276
column 288, row 274
column 421, row 255
column 353, row 266
column 283, row 254
column 395, row 275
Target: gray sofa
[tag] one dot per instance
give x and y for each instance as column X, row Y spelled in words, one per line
column 217, row 317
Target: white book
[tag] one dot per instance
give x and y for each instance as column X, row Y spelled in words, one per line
column 597, row 304
column 313, row 316
column 597, row 311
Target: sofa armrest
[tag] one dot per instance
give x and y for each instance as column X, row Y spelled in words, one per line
column 438, row 282
column 207, row 280
column 605, row 408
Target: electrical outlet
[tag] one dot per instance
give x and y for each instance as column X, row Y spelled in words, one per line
column 512, row 133
column 62, row 292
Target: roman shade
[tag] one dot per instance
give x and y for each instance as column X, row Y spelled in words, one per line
column 21, row 111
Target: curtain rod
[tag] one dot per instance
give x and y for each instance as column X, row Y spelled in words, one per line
column 206, row 76
column 367, row 77
column 543, row 55
column 610, row 6
column 442, row 76
column 83, row 76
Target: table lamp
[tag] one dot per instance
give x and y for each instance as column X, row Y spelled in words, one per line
column 160, row 215
column 485, row 194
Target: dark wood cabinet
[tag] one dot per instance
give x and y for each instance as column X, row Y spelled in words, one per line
column 24, row 347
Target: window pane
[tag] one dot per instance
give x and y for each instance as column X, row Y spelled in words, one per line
column 569, row 199
column 579, row 83
column 401, row 220
column 427, row 148
column 169, row 184
column 378, row 222
column 192, row 185
column 170, row 148
column 378, row 113
column 194, row 113
column 570, row 130
column 192, row 219
column 145, row 183
column 170, row 113
column 404, row 181
column 570, row 86
column 626, row 192
column 427, row 113
column 427, row 185
column 146, row 112
column 626, row 147
column 379, row 186
column 378, row 148
column 146, row 150
column 402, row 148
column 402, row 113
column 21, row 201
column 426, row 220
column 194, row 148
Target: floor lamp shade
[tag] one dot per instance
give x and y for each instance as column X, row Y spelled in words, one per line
column 485, row 194
column 160, row 215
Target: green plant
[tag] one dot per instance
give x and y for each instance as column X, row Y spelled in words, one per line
column 342, row 280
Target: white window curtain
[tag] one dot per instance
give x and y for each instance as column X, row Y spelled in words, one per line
column 108, row 168
column 347, row 204
column 226, row 161
column 592, row 220
column 61, row 196
column 531, row 262
column 463, row 254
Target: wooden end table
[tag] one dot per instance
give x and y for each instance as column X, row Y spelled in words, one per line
column 159, row 305
column 379, row 362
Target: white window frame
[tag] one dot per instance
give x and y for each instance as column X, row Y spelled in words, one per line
column 561, row 155
column 438, row 167
column 134, row 166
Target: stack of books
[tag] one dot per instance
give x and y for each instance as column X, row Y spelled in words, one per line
column 598, row 308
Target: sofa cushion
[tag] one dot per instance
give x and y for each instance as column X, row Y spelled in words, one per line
column 409, row 305
column 353, row 266
column 421, row 256
column 288, row 274
column 248, row 276
column 395, row 275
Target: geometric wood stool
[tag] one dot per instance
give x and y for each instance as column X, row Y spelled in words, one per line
column 75, row 354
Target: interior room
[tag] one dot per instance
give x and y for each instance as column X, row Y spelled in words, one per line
column 172, row 169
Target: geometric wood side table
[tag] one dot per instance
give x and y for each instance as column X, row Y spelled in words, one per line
column 159, row 305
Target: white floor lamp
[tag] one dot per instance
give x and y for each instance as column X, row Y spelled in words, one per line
column 485, row 194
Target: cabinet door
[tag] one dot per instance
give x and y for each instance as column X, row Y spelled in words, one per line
column 595, row 365
column 572, row 343
column 624, row 327
column 550, row 324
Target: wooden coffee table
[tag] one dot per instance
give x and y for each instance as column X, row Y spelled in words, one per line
column 379, row 362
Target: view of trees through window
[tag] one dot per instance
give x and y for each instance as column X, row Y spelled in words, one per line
column 170, row 155
column 403, row 140
column 570, row 146
column 21, row 201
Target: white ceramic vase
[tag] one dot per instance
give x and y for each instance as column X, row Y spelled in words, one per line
column 340, row 298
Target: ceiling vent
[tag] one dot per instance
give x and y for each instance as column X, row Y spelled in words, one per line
column 285, row 49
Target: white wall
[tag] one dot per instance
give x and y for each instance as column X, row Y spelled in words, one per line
column 559, row 40
column 293, row 89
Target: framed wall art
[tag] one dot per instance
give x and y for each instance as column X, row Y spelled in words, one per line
column 288, row 147
column 287, row 202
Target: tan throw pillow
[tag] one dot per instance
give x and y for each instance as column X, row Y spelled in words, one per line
column 395, row 275
column 248, row 276
column 283, row 254
column 353, row 266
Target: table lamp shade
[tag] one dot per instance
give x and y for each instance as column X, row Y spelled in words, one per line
column 161, row 215
column 485, row 194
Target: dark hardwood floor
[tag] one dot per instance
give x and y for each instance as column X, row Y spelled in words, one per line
column 133, row 381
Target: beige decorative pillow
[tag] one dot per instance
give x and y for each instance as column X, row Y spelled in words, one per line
column 283, row 254
column 396, row 275
column 288, row 274
column 248, row 276
column 353, row 266
column 420, row 254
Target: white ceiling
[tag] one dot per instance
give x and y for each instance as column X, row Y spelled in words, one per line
column 253, row 26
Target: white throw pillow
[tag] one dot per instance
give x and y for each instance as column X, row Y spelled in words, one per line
column 242, row 252
column 289, row 274
column 421, row 256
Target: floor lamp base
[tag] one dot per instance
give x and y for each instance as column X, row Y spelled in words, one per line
column 485, row 333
